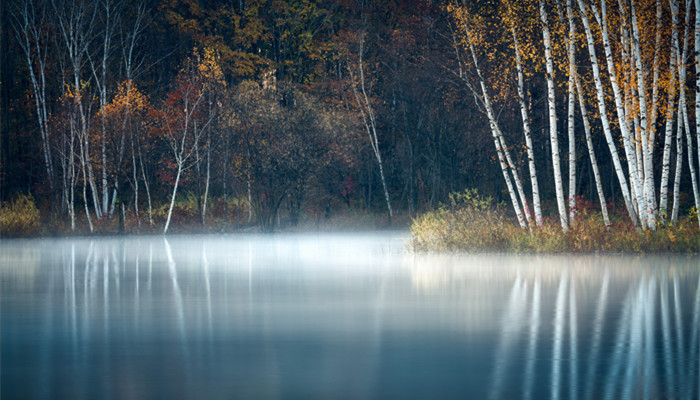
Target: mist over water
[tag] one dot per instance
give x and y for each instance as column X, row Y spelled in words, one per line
column 340, row 316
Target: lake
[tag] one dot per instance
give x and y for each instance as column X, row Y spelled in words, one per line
column 340, row 316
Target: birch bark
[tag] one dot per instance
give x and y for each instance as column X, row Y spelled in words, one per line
column 369, row 121
column 635, row 181
column 561, row 204
column 591, row 154
column 650, row 198
column 668, row 131
column 571, row 105
column 495, row 131
column 604, row 116
column 527, row 131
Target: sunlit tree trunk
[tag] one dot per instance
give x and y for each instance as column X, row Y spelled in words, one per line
column 527, row 131
column 670, row 102
column 549, row 63
column 679, row 165
column 571, row 110
column 369, row 120
column 650, row 197
column 682, row 74
column 207, row 180
column 697, row 83
column 651, row 127
column 635, row 180
column 603, row 114
column 591, row 154
column 495, row 131
column 172, row 198
column 145, row 184
column 99, row 71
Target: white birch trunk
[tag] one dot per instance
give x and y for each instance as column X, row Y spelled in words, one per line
column 679, row 166
column 604, row 116
column 172, row 199
column 650, row 197
column 571, row 110
column 527, row 132
column 554, row 140
column 370, row 122
column 495, row 132
column 635, row 181
column 691, row 163
column 697, row 83
column 668, row 131
column 591, row 154
column 651, row 127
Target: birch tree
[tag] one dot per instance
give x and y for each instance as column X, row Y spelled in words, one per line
column 184, row 118
column 461, row 17
column 369, row 119
column 524, row 114
column 30, row 25
column 551, row 101
column 602, row 109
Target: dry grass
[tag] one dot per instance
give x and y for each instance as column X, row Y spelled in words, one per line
column 473, row 223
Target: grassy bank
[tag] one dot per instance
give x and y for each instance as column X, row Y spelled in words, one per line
column 473, row 223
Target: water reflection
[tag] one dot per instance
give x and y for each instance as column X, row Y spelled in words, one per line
column 349, row 316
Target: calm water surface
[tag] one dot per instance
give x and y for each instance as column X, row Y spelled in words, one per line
column 334, row 316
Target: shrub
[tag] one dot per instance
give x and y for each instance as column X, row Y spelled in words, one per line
column 20, row 217
column 473, row 223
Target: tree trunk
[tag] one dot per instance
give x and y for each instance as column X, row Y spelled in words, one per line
column 527, row 132
column 206, row 185
column 571, row 105
column 591, row 154
column 604, row 117
column 554, row 140
column 668, row 131
column 635, row 181
column 495, row 131
column 172, row 199
column 369, row 121
column 649, row 193
column 679, row 166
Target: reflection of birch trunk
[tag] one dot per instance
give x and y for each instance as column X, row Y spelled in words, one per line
column 598, row 321
column 559, row 323
column 532, row 341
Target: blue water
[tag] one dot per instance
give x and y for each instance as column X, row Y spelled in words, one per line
column 340, row 316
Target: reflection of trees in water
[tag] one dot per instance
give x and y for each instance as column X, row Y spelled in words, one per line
column 566, row 326
column 622, row 361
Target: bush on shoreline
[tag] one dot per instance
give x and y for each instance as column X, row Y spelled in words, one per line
column 474, row 223
column 20, row 217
